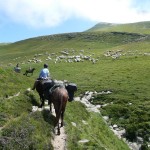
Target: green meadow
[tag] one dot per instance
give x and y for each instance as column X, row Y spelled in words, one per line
column 119, row 62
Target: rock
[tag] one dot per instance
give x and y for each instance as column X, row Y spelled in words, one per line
column 98, row 106
column 93, row 110
column 74, row 124
column 34, row 108
column 28, row 89
column 84, row 122
column 115, row 126
column 77, row 99
column 134, row 146
column 106, row 118
column 139, row 140
column 83, row 141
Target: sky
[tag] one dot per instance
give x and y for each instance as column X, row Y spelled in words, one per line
column 23, row 19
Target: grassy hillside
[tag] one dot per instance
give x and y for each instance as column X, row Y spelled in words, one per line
column 116, row 62
column 23, row 129
column 139, row 27
column 93, row 42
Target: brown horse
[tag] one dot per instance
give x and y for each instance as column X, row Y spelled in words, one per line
column 29, row 71
column 59, row 98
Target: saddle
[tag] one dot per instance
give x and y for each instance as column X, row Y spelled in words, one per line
column 55, row 86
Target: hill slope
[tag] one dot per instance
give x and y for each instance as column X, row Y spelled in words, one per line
column 139, row 27
column 97, row 41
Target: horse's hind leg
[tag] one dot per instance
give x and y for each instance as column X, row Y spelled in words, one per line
column 42, row 104
column 58, row 133
column 42, row 101
column 62, row 119
column 58, row 128
column 50, row 105
column 57, row 121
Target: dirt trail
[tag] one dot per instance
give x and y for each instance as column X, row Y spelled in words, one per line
column 58, row 141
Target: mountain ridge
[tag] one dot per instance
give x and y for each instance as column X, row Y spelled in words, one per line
column 137, row 27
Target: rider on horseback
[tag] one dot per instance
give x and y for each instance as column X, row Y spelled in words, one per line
column 44, row 75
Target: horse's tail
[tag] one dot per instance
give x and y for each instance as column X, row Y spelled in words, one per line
column 60, row 97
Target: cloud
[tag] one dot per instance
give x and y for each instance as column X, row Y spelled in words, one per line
column 49, row 13
column 34, row 12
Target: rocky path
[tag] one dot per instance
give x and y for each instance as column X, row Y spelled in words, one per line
column 58, row 141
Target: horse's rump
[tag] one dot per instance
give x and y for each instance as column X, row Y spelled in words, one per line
column 59, row 94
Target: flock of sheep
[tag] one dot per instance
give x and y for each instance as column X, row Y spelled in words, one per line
column 71, row 56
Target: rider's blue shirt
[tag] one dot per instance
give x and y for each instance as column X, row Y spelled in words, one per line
column 44, row 73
